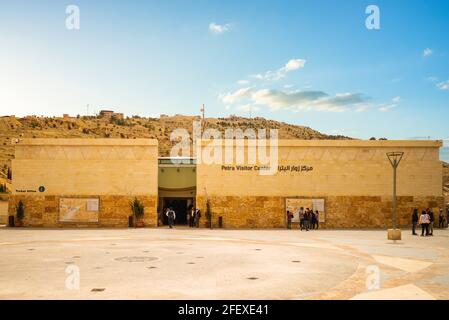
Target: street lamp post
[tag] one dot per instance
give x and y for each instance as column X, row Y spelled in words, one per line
column 395, row 159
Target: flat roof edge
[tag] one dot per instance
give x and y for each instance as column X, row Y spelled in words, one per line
column 337, row 143
column 86, row 142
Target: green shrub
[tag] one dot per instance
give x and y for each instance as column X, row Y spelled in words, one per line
column 137, row 208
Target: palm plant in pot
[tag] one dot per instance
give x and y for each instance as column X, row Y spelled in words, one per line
column 138, row 211
column 20, row 213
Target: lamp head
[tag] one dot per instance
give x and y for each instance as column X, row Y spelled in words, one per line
column 395, row 158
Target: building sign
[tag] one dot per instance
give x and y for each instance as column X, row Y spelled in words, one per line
column 294, row 204
column 286, row 168
column 78, row 209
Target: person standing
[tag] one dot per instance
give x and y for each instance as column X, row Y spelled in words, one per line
column 432, row 220
column 317, row 219
column 312, row 219
column 307, row 219
column 197, row 217
column 415, row 219
column 289, row 220
column 424, row 221
column 301, row 218
column 171, row 215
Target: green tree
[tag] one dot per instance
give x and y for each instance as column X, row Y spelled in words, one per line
column 20, row 210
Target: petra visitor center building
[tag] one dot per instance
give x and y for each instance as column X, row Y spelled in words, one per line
column 91, row 182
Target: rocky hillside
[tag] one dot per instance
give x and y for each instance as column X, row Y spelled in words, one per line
column 12, row 128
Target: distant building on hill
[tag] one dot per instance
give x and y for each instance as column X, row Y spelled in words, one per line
column 108, row 114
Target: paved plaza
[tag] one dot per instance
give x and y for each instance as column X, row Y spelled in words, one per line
column 221, row 264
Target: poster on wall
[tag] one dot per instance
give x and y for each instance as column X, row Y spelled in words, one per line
column 294, row 204
column 78, row 209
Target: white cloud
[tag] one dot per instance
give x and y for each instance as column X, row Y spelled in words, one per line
column 443, row 85
column 236, row 96
column 243, row 82
column 427, row 52
column 294, row 64
column 219, row 28
column 297, row 100
column 291, row 65
column 387, row 107
column 432, row 79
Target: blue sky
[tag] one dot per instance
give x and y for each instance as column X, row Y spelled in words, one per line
column 311, row 63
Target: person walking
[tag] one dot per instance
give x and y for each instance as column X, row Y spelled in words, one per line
column 415, row 220
column 171, row 215
column 289, row 220
column 441, row 220
column 424, row 221
column 192, row 217
column 317, row 219
column 197, row 217
column 301, row 218
column 432, row 220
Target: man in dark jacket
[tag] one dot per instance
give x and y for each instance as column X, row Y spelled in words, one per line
column 432, row 219
column 415, row 219
column 197, row 217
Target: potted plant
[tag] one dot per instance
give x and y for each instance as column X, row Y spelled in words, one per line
column 20, row 213
column 138, row 211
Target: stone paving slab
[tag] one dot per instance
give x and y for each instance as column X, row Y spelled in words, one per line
column 188, row 263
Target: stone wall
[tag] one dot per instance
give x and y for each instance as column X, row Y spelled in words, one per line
column 43, row 211
column 353, row 177
column 340, row 211
column 111, row 170
column 4, row 209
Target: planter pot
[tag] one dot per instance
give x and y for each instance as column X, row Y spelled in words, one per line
column 140, row 223
column 18, row 223
column 394, row 234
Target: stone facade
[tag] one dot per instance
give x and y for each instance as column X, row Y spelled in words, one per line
column 353, row 177
column 4, row 208
column 43, row 211
column 341, row 211
column 113, row 171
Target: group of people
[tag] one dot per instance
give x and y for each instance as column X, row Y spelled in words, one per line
column 426, row 220
column 308, row 219
column 193, row 217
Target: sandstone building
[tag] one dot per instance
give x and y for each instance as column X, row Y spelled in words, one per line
column 90, row 183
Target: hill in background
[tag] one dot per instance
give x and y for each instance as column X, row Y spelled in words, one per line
column 12, row 128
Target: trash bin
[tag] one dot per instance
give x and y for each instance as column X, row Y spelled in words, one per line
column 11, row 221
column 130, row 221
